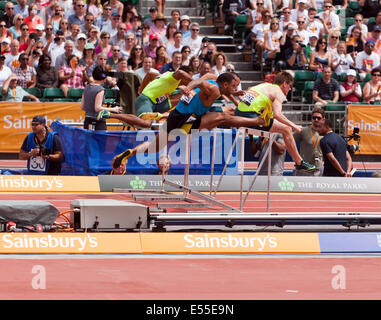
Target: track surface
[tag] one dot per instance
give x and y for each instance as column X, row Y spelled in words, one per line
column 212, row 277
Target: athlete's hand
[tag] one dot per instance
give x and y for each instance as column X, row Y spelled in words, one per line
column 118, row 109
column 239, row 93
column 298, row 129
column 184, row 89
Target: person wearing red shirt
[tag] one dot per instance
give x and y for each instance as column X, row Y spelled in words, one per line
column 33, row 19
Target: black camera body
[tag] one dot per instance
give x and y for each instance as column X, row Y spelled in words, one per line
column 43, row 151
column 353, row 148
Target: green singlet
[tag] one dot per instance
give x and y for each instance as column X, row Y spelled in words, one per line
column 160, row 89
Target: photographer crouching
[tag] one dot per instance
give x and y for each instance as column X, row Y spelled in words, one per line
column 43, row 149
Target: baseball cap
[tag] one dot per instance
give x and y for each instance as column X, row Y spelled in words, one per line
column 153, row 36
column 89, row 46
column 302, row 1
column 184, row 17
column 377, row 28
column 39, row 119
column 370, row 41
column 314, row 35
column 152, row 9
column 115, row 14
column 40, row 27
column 60, row 33
column 81, row 36
column 6, row 40
column 205, row 39
column 351, row 72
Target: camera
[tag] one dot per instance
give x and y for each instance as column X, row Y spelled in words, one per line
column 43, row 151
column 111, row 74
column 301, row 44
column 353, row 148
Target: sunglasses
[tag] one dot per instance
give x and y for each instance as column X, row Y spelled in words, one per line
column 35, row 124
column 3, row 25
column 195, row 29
column 229, row 69
column 10, row 8
column 327, row 6
column 376, row 75
column 300, row 22
column 80, row 5
column 138, row 49
column 25, row 29
column 186, row 51
column 115, row 50
column 317, row 118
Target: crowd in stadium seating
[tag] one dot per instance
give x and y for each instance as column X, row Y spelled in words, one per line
column 308, row 35
column 58, row 44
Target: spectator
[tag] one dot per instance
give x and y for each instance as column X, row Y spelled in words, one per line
column 104, row 21
column 219, row 61
column 15, row 29
column 377, row 22
column 119, row 38
column 285, row 19
column 302, row 32
column 321, row 57
column 46, row 75
column 88, row 56
column 22, row 8
column 325, row 89
column 194, row 63
column 258, row 34
column 342, row 61
column 185, row 52
column 369, row 7
column 100, row 61
column 79, row 13
column 337, row 160
column 272, row 40
column 333, row 41
column 231, row 9
column 286, row 42
column 136, row 26
column 161, row 58
column 80, row 45
column 350, row 90
column 135, row 61
column 64, row 26
column 117, row 6
column 184, row 26
column 93, row 98
column 13, row 55
column 94, row 7
column 112, row 61
column 5, row 72
column 315, row 25
column 372, row 88
column 5, row 46
column 205, row 68
column 354, row 42
column 163, row 164
column 48, row 38
column 175, row 17
column 150, row 50
column 296, row 55
column 128, row 44
column 42, row 149
column 89, row 22
column 26, row 74
column 34, row 58
column 359, row 22
column 62, row 59
column 208, row 52
column 104, row 45
column 329, row 16
column 367, row 60
column 146, row 68
column 376, row 38
column 145, row 34
column 55, row 19
column 32, row 20
column 11, row 92
column 309, row 140
column 300, row 13
column 93, row 36
column 195, row 40
column 9, row 15
column 311, row 46
column 168, row 39
column 24, row 38
column 72, row 75
column 152, row 15
column 278, row 154
column 177, row 45
column 174, row 65
column 255, row 16
column 158, row 26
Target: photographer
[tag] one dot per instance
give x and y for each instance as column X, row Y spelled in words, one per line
column 337, row 160
column 296, row 55
column 42, row 149
column 92, row 101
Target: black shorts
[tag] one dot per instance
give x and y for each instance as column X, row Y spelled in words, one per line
column 186, row 121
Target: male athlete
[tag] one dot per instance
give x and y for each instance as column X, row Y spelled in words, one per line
column 265, row 100
column 191, row 112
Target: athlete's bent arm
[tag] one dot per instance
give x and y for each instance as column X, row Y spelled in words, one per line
column 278, row 115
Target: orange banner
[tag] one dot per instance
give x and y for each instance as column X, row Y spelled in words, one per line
column 229, row 242
column 368, row 119
column 16, row 117
column 34, row 183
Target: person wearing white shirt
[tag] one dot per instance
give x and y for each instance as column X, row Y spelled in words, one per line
column 342, row 61
column 300, row 11
column 285, row 20
column 177, row 37
column 359, row 21
column 194, row 41
column 272, row 39
column 146, row 68
column 14, row 54
column 314, row 25
column 302, row 32
column 367, row 60
column 5, row 72
column 258, row 33
column 55, row 50
column 329, row 17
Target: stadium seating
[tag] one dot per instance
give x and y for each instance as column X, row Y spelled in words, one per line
column 53, row 93
column 75, row 94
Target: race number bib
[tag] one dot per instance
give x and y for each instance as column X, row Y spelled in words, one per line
column 162, row 98
column 249, row 97
column 186, row 99
column 37, row 164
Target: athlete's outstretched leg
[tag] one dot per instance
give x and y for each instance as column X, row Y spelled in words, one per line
column 127, row 118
